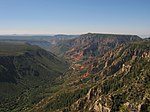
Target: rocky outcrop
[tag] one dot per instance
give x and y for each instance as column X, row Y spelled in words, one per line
column 99, row 108
column 116, row 91
column 126, row 68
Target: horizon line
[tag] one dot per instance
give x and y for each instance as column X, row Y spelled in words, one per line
column 53, row 34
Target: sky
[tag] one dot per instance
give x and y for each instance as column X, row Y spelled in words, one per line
column 74, row 16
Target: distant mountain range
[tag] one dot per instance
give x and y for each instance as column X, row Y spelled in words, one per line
column 43, row 41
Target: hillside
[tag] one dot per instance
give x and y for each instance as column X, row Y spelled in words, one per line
column 117, row 81
column 123, row 83
column 91, row 45
column 25, row 69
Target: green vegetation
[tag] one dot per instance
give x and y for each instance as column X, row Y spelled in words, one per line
column 66, row 99
column 25, row 71
column 14, row 49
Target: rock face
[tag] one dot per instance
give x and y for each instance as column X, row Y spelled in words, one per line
column 98, row 44
column 92, row 44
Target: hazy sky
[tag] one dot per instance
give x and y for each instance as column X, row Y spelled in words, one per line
column 74, row 16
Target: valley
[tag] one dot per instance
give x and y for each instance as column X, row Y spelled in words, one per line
column 89, row 73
